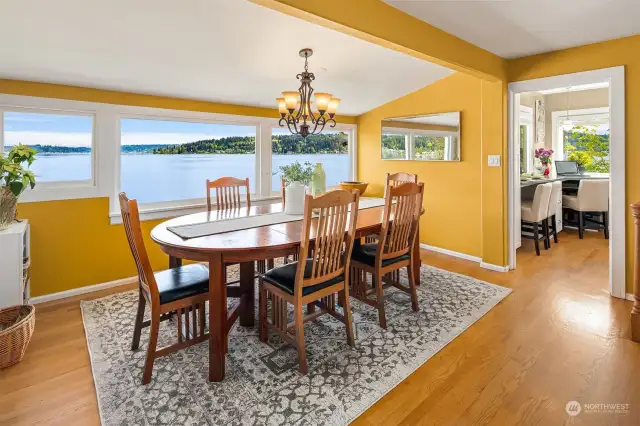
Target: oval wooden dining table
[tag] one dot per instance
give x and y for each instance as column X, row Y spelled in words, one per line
column 244, row 247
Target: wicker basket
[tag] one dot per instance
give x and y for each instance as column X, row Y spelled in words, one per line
column 16, row 327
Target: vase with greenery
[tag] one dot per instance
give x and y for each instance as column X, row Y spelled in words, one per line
column 15, row 177
column 296, row 176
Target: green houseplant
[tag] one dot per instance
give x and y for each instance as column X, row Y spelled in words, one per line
column 15, row 177
column 582, row 158
column 296, row 176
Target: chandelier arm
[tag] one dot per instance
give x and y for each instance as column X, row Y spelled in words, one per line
column 320, row 123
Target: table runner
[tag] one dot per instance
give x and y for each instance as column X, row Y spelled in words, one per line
column 237, row 224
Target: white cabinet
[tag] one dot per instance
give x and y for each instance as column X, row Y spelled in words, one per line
column 15, row 262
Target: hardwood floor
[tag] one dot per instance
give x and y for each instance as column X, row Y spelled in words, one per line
column 558, row 337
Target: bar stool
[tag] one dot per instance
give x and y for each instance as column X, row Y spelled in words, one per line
column 534, row 214
column 592, row 197
column 556, row 190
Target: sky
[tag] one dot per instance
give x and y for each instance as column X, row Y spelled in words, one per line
column 75, row 131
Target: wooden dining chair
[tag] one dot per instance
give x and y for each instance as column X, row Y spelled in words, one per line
column 228, row 195
column 324, row 273
column 396, row 179
column 183, row 290
column 393, row 251
column 392, row 180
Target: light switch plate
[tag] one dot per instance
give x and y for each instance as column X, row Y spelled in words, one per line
column 494, row 161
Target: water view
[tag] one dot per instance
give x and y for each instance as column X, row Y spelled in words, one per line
column 170, row 177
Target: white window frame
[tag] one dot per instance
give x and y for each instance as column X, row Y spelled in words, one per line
column 410, row 146
column 407, row 141
column 57, row 190
column 558, row 127
column 526, row 119
column 106, row 142
column 349, row 129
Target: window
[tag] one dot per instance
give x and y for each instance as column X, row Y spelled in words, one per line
column 160, row 157
column 426, row 147
column 63, row 142
column 168, row 161
column 584, row 136
column 331, row 149
column 394, row 145
column 526, row 139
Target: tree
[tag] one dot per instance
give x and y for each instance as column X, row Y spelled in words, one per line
column 595, row 146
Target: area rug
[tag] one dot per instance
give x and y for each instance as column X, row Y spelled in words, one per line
column 262, row 384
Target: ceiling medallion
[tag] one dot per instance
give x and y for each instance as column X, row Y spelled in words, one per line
column 295, row 107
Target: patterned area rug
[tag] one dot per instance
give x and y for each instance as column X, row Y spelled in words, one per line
column 262, row 384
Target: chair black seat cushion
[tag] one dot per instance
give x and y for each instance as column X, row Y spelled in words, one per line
column 366, row 253
column 284, row 278
column 182, row 282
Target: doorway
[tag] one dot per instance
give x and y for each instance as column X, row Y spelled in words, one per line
column 565, row 134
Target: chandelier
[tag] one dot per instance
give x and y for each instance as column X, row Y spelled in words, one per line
column 295, row 107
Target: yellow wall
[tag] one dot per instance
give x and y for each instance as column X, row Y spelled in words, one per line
column 590, row 57
column 452, row 196
column 73, row 243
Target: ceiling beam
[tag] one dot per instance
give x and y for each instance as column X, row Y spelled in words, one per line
column 384, row 25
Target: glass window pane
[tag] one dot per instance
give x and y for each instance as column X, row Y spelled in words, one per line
column 588, row 145
column 329, row 148
column 428, row 147
column 165, row 160
column 63, row 143
column 523, row 149
column 393, row 146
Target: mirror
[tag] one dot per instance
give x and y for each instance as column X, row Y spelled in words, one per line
column 434, row 137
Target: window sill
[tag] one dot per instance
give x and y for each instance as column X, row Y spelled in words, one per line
column 164, row 212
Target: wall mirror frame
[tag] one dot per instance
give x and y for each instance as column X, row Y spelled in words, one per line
column 425, row 137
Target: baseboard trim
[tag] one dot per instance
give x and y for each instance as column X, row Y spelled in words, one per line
column 630, row 297
column 451, row 253
column 82, row 290
column 492, row 267
column 465, row 257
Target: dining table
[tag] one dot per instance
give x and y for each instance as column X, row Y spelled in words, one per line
column 244, row 247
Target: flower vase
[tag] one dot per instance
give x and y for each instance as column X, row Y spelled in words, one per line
column 294, row 195
column 547, row 169
column 319, row 181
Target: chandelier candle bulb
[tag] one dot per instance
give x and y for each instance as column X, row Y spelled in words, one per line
column 282, row 106
column 291, row 100
column 333, row 106
column 322, row 101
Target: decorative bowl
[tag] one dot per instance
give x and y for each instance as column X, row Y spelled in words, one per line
column 360, row 186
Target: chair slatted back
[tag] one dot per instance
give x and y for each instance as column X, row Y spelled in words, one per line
column 131, row 221
column 334, row 227
column 228, row 195
column 399, row 178
column 402, row 208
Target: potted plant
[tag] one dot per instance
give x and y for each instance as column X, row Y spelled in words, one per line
column 582, row 158
column 544, row 156
column 14, row 179
column 296, row 177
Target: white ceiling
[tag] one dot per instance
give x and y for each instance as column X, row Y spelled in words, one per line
column 514, row 28
column 230, row 51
